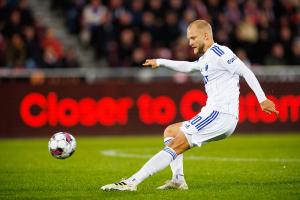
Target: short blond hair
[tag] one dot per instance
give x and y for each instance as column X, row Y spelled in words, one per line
column 201, row 25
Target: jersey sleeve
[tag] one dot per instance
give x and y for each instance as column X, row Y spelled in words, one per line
column 252, row 81
column 181, row 66
column 229, row 61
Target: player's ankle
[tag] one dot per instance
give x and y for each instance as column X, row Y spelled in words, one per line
column 178, row 178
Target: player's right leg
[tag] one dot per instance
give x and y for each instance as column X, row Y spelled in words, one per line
column 209, row 125
column 178, row 180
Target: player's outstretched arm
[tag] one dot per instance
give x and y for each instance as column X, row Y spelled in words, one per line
column 181, row 66
column 266, row 105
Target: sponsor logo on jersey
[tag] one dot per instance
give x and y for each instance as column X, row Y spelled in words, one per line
column 231, row 60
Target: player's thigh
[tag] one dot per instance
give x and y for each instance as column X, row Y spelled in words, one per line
column 172, row 130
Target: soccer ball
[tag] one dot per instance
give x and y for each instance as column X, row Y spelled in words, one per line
column 62, row 145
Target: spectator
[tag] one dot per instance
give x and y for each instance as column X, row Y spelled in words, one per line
column 223, row 27
column 125, row 21
column 16, row 52
column 113, row 53
column 181, row 49
column 72, row 13
column 214, row 8
column 70, row 59
column 138, row 57
column 189, row 15
column 51, row 44
column 163, row 52
column 248, row 30
column 33, row 48
column 127, row 47
column 2, row 51
column 269, row 10
column 136, row 9
column 50, row 59
column 94, row 15
column 14, row 24
column 295, row 59
column 156, row 7
column 170, row 31
column 4, row 13
column 145, row 42
column 150, row 26
column 277, row 56
column 104, row 35
column 117, row 10
column 25, row 12
column 241, row 54
column 266, row 34
column 285, row 39
column 177, row 7
column 199, row 7
column 251, row 11
column 232, row 12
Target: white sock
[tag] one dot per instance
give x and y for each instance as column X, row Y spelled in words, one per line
column 176, row 165
column 158, row 162
column 177, row 169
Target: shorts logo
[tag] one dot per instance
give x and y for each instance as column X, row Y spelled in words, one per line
column 187, row 126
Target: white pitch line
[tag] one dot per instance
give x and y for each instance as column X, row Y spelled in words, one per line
column 117, row 153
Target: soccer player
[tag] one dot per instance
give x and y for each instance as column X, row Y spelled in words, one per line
column 221, row 70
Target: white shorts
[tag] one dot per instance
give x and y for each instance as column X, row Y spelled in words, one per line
column 208, row 125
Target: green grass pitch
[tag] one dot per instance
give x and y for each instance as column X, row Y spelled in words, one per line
column 260, row 166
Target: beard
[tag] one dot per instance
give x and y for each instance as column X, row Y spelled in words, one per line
column 199, row 50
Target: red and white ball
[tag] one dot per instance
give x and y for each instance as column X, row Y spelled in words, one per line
column 62, row 145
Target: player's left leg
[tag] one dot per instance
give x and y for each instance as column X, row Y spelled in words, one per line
column 158, row 162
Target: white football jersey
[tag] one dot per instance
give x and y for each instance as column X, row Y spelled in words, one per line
column 217, row 66
column 221, row 69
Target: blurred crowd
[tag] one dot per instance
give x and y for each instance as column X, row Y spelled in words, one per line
column 26, row 43
column 126, row 32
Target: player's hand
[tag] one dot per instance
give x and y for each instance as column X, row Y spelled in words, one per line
column 268, row 106
column 151, row 62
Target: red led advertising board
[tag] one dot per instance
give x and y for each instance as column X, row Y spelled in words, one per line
column 131, row 108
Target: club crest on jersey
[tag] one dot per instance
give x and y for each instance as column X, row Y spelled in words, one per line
column 206, row 67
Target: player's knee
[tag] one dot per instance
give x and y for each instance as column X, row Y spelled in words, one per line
column 169, row 131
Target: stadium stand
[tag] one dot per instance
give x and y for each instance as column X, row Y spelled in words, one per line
column 27, row 43
column 262, row 32
column 125, row 33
